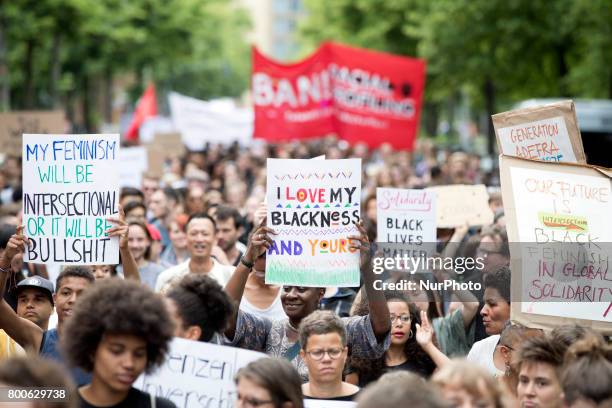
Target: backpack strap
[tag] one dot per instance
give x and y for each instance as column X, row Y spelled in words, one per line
column 292, row 351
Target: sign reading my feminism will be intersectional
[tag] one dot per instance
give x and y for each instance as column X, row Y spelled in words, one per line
column 313, row 206
column 70, row 189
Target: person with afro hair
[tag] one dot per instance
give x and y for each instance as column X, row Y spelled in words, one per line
column 118, row 330
column 199, row 308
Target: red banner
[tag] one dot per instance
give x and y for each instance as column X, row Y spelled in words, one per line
column 357, row 94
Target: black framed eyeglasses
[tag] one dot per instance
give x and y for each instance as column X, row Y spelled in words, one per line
column 333, row 353
column 250, row 402
column 402, row 318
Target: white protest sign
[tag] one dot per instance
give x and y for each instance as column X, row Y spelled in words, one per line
column 545, row 139
column 460, row 204
column 198, row 374
column 561, row 215
column 406, row 222
column 70, row 188
column 547, row 133
column 313, row 205
column 201, row 122
column 133, row 162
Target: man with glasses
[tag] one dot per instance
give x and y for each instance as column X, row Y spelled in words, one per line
column 493, row 249
column 324, row 350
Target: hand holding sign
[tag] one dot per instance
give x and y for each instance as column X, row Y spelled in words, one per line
column 15, row 245
column 120, row 229
column 361, row 243
column 259, row 242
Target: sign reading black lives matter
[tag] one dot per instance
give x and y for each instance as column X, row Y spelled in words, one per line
column 70, row 189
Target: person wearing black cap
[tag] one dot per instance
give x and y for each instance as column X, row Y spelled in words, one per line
column 71, row 283
column 35, row 300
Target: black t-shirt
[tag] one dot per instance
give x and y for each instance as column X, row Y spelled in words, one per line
column 134, row 399
column 412, row 367
column 344, row 398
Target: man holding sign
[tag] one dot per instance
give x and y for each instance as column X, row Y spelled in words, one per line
column 70, row 195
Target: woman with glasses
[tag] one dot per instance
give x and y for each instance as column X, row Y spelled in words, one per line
column 412, row 345
column 367, row 336
column 269, row 383
column 510, row 340
column 324, row 350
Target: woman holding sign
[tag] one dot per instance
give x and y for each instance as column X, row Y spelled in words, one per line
column 119, row 330
column 367, row 336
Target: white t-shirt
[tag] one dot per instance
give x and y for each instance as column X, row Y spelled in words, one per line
column 481, row 353
column 273, row 312
column 220, row 273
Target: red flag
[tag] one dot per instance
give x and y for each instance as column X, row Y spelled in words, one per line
column 146, row 108
column 358, row 94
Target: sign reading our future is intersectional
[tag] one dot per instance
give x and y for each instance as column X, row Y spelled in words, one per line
column 70, row 189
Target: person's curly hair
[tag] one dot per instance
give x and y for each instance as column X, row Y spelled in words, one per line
column 202, row 302
column 371, row 370
column 115, row 306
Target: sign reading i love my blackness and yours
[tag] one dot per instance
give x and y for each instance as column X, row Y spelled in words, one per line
column 313, row 206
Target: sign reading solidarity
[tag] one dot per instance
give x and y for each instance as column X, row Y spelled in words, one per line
column 313, row 206
column 559, row 218
column 70, row 189
column 360, row 95
column 406, row 222
column 198, row 374
column 547, row 133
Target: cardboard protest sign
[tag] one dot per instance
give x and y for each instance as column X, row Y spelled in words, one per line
column 14, row 124
column 162, row 148
column 406, row 222
column 171, row 143
column 548, row 133
column 133, row 162
column 199, row 374
column 559, row 217
column 458, row 204
column 70, row 188
column 313, row 205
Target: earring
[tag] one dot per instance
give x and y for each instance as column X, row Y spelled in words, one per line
column 508, row 371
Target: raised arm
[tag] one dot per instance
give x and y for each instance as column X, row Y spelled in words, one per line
column 452, row 245
column 379, row 311
column 23, row 331
column 15, row 245
column 121, row 229
column 467, row 298
column 424, row 336
column 470, row 306
column 259, row 242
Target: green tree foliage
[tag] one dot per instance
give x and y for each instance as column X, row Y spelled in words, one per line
column 57, row 52
column 498, row 51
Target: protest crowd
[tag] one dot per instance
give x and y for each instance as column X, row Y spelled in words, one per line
column 193, row 246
